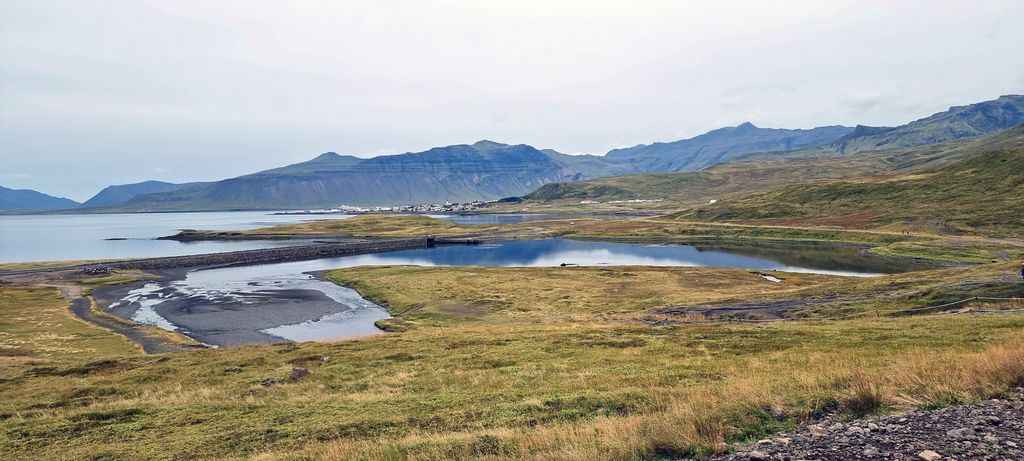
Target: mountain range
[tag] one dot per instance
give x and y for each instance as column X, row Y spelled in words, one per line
column 489, row 170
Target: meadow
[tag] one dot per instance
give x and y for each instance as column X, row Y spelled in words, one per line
column 538, row 363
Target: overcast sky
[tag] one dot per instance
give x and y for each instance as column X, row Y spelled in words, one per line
column 102, row 92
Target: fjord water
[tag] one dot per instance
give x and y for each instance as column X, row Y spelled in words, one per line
column 66, row 237
column 196, row 301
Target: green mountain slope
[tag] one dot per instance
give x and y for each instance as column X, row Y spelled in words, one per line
column 979, row 186
column 762, row 173
column 886, row 149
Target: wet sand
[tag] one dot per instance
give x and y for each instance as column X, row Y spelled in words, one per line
column 234, row 323
column 234, row 318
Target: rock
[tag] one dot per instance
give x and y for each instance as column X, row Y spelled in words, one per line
column 299, row 373
column 1011, row 444
column 928, row 455
column 960, row 434
column 270, row 382
column 871, row 451
column 764, row 441
column 757, row 455
column 817, row 431
column 873, row 427
column 990, row 439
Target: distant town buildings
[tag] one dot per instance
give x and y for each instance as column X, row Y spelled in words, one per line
column 447, row 207
column 635, row 200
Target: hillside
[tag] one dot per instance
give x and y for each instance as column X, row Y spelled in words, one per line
column 763, row 173
column 116, row 195
column 980, row 190
column 485, row 170
column 30, row 200
column 886, row 149
column 722, row 145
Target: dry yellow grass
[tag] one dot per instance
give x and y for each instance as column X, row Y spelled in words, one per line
column 441, row 294
column 35, row 324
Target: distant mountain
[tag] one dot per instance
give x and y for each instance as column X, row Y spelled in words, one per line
column 484, row 170
column 721, row 145
column 957, row 122
column 116, row 195
column 30, row 200
column 488, row 170
column 765, row 172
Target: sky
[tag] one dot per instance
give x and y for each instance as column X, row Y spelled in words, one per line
column 112, row 92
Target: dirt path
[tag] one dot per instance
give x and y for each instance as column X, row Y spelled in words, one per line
column 150, row 342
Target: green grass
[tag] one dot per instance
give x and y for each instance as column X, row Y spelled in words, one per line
column 448, row 295
column 446, row 390
column 979, row 194
column 505, row 363
column 37, row 328
column 373, row 225
column 760, row 173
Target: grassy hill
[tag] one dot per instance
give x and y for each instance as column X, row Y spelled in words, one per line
column 978, row 186
column 764, row 173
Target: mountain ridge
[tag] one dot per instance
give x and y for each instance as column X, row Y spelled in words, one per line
column 486, row 169
column 31, row 200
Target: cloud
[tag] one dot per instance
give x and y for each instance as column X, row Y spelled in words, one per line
column 16, row 176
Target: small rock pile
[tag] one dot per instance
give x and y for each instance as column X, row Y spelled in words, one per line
column 990, row 430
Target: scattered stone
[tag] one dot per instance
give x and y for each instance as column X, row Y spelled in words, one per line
column 991, row 430
column 757, row 455
column 271, row 382
column 299, row 373
column 817, row 431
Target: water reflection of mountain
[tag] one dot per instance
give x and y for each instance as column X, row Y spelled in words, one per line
column 745, row 255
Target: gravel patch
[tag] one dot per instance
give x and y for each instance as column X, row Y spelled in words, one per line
column 987, row 430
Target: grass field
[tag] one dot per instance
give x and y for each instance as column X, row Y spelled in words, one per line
column 501, row 364
column 36, row 328
column 444, row 295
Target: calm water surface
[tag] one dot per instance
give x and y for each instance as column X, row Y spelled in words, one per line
column 85, row 236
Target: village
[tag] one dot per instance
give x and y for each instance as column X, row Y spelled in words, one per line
column 447, row 207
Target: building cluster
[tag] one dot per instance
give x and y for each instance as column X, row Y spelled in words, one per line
column 446, row 207
column 635, row 200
